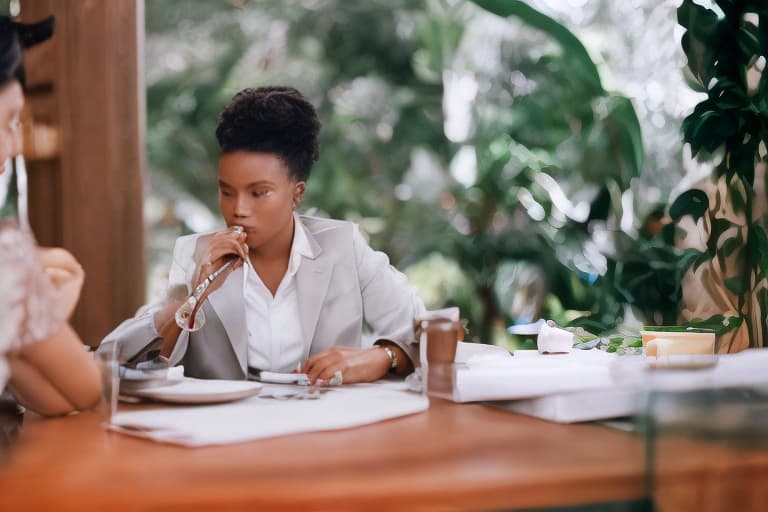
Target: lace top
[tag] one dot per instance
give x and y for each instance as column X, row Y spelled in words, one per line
column 28, row 308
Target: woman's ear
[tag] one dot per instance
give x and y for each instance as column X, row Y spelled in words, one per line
column 298, row 193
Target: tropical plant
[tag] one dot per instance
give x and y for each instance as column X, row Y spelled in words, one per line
column 726, row 45
column 553, row 160
column 511, row 205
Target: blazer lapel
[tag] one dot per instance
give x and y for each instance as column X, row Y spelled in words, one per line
column 229, row 304
column 312, row 279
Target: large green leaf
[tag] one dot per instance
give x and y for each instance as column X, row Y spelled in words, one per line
column 702, row 28
column 692, row 202
column 758, row 248
column 570, row 44
column 626, row 136
column 736, row 285
column 718, row 323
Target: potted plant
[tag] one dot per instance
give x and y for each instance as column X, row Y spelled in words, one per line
column 726, row 46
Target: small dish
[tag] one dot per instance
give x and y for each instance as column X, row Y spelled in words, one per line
column 200, row 391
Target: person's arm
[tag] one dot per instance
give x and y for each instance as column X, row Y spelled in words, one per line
column 390, row 306
column 356, row 364
column 55, row 375
column 390, row 303
column 153, row 331
column 165, row 324
column 51, row 373
column 222, row 247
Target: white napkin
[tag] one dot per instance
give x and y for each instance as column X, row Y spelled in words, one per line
column 742, row 369
column 530, row 374
column 632, row 380
column 134, row 374
column 256, row 418
column 576, row 406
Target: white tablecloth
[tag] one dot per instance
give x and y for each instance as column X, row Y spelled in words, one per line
column 258, row 417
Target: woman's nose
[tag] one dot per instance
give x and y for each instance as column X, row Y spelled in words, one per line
column 242, row 207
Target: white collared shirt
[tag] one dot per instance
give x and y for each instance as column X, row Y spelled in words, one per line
column 275, row 340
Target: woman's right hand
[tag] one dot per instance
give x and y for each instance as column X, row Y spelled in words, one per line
column 222, row 247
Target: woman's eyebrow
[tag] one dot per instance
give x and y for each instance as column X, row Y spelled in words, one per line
column 249, row 185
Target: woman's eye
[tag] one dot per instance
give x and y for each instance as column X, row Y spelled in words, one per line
column 259, row 193
column 225, row 193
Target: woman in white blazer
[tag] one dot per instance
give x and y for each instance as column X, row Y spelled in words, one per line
column 300, row 289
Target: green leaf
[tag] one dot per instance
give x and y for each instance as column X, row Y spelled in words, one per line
column 570, row 44
column 731, row 245
column 736, row 285
column 717, row 323
column 719, row 226
column 704, row 127
column 692, row 202
column 737, row 201
column 626, row 136
column 702, row 25
column 687, row 259
column 748, row 40
column 704, row 257
column 758, row 249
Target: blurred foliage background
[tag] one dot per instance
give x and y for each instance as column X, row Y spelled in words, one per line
column 513, row 158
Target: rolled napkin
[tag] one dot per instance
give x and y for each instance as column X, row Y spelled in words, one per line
column 554, row 340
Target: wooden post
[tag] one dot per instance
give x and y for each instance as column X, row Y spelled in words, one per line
column 86, row 91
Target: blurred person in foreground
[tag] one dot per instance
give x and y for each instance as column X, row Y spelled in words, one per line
column 299, row 288
column 50, row 372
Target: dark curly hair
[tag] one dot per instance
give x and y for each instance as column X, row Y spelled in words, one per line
column 14, row 37
column 273, row 119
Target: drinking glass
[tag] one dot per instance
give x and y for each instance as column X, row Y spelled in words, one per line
column 439, row 337
column 106, row 358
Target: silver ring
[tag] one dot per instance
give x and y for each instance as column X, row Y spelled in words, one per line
column 337, row 379
column 237, row 229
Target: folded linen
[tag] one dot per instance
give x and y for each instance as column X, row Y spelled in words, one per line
column 482, row 375
column 257, row 417
column 588, row 385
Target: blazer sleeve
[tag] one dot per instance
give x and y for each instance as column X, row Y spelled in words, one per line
column 137, row 338
column 390, row 302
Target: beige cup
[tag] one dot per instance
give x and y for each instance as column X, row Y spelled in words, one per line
column 668, row 343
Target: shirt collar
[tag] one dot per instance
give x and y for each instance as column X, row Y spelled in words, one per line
column 300, row 246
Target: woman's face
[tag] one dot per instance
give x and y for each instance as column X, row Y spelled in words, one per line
column 11, row 103
column 256, row 191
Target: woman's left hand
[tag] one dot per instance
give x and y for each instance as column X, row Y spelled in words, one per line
column 355, row 364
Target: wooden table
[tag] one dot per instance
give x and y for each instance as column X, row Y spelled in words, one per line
column 709, row 475
column 452, row 457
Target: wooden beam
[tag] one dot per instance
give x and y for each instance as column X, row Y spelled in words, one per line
column 87, row 82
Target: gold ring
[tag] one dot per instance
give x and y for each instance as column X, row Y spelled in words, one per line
column 337, row 379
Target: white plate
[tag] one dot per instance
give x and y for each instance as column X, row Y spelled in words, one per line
column 200, row 391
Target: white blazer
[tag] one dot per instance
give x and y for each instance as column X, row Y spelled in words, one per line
column 341, row 285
